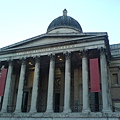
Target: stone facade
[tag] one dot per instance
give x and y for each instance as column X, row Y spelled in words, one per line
column 49, row 75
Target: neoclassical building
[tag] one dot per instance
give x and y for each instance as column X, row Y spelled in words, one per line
column 63, row 74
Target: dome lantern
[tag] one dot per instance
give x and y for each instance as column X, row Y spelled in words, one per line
column 64, row 12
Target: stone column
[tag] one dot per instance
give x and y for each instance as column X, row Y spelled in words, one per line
column 67, row 84
column 7, row 87
column 104, row 81
column 35, row 86
column 20, row 87
column 86, row 108
column 51, row 84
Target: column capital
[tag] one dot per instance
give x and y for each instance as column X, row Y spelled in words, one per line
column 84, row 53
column 37, row 59
column 102, row 51
column 23, row 61
column 36, row 56
column 10, row 62
column 21, row 58
column 52, row 56
column 3, row 66
column 9, row 59
column 67, row 55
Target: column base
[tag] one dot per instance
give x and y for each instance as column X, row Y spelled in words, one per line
column 17, row 111
column 107, row 110
column 49, row 111
column 67, row 110
column 33, row 111
column 86, row 110
column 3, row 111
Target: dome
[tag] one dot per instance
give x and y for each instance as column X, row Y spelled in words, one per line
column 64, row 22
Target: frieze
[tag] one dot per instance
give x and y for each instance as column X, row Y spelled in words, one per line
column 46, row 49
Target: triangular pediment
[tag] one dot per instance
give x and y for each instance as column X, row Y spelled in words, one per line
column 51, row 39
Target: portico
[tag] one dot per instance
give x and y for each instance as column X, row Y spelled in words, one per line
column 45, row 80
column 49, row 75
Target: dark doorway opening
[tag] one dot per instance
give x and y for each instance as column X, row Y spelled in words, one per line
column 57, row 102
column 96, row 102
column 24, row 101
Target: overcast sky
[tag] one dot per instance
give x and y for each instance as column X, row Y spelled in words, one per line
column 23, row 19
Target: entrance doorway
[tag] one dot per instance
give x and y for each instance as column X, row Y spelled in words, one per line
column 57, row 102
column 94, row 101
column 25, row 101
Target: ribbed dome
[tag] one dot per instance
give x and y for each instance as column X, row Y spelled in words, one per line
column 64, row 22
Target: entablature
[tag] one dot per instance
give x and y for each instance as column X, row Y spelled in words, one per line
column 46, row 50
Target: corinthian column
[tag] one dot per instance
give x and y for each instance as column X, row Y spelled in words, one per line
column 67, row 84
column 35, row 86
column 20, row 87
column 104, row 81
column 7, row 87
column 86, row 108
column 51, row 84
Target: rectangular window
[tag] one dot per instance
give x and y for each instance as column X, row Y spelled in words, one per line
column 116, row 106
column 115, row 78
